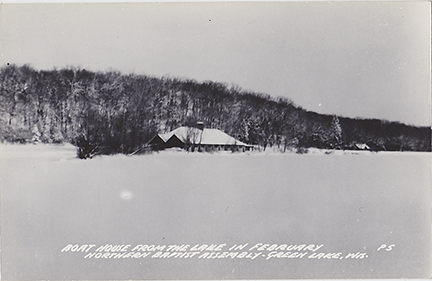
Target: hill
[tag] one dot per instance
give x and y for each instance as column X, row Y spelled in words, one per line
column 109, row 112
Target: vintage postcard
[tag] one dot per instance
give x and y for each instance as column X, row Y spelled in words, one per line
column 213, row 141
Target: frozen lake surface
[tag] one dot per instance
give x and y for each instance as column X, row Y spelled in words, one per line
column 347, row 203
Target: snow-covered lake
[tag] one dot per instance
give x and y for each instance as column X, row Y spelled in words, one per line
column 349, row 203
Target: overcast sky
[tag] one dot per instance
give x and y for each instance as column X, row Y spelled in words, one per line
column 355, row 59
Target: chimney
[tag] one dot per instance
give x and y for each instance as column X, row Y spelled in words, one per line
column 200, row 125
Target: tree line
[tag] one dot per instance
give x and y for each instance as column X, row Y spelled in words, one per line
column 110, row 112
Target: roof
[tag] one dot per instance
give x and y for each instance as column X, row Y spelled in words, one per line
column 197, row 136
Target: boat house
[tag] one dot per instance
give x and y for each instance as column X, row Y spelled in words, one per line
column 198, row 139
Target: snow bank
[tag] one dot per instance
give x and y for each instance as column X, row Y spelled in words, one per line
column 37, row 151
column 65, row 152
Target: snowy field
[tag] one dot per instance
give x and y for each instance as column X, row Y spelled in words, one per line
column 348, row 202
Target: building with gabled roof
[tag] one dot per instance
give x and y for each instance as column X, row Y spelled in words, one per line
column 198, row 139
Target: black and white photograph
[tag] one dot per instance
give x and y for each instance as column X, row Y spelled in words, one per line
column 215, row 140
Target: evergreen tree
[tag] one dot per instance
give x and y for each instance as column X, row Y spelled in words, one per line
column 335, row 136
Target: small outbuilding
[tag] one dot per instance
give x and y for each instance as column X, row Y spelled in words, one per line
column 362, row 146
column 198, row 139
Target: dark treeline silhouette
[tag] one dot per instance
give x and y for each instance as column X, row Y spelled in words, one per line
column 108, row 112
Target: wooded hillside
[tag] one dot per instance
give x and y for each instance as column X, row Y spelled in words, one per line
column 110, row 112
